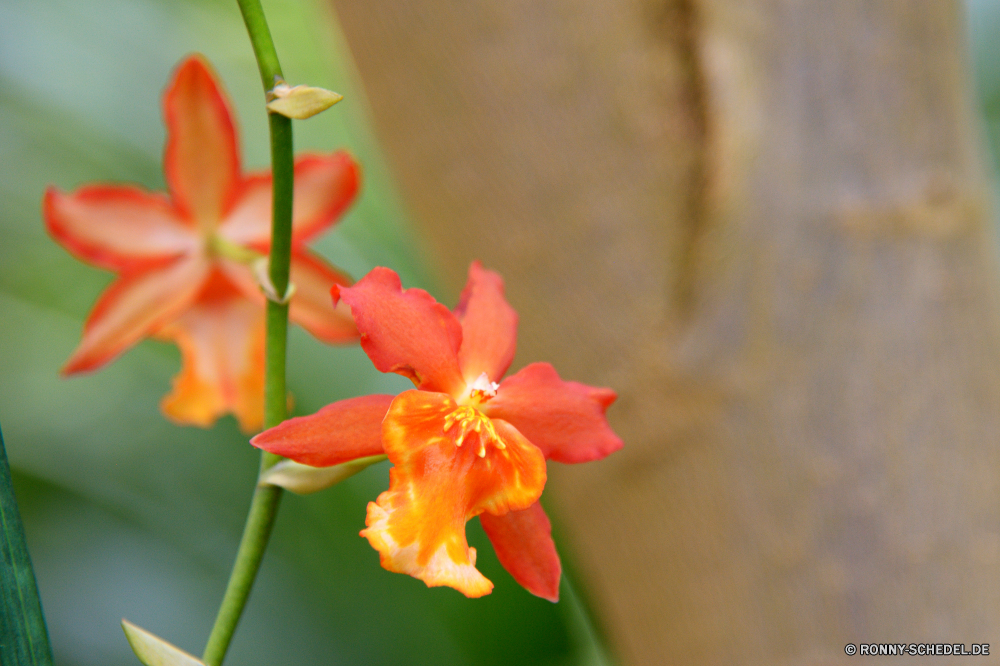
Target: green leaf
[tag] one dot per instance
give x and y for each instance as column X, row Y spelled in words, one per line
column 23, row 637
column 154, row 651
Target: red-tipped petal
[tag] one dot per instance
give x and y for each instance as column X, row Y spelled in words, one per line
column 564, row 419
column 221, row 338
column 406, row 332
column 117, row 227
column 324, row 187
column 134, row 306
column 450, row 463
column 201, row 162
column 523, row 543
column 489, row 326
column 311, row 306
column 338, row 433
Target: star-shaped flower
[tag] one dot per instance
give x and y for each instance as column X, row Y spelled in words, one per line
column 462, row 445
column 184, row 258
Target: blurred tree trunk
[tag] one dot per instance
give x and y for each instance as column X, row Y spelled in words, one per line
column 766, row 224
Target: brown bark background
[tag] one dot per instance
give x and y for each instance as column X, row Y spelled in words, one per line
column 766, row 224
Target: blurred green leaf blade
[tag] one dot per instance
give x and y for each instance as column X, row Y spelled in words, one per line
column 24, row 639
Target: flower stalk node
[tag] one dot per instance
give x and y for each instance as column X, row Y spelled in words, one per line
column 261, row 271
column 279, row 83
column 304, row 479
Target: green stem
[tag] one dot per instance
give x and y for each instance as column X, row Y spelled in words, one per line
column 282, row 165
column 264, row 506
column 260, row 519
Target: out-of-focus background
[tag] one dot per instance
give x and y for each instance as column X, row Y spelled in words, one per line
column 768, row 225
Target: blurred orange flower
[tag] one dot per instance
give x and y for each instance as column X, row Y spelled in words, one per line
column 461, row 444
column 184, row 258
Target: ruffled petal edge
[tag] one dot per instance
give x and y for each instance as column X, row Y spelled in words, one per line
column 405, row 331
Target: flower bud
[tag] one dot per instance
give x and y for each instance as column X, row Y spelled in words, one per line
column 300, row 102
column 154, row 651
column 305, row 479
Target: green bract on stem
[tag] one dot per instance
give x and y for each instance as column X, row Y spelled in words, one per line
column 264, row 505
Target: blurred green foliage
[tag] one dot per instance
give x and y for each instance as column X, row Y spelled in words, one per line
column 128, row 515
column 984, row 38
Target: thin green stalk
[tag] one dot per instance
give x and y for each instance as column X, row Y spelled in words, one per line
column 264, row 506
column 282, row 165
column 260, row 519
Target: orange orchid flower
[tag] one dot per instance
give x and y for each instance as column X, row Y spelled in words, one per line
column 461, row 444
column 184, row 259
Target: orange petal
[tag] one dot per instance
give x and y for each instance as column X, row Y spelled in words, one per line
column 450, row 464
column 134, row 306
column 242, row 277
column 311, row 306
column 564, row 419
column 201, row 162
column 489, row 326
column 406, row 332
column 324, row 187
column 523, row 543
column 221, row 338
column 117, row 227
column 340, row 432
